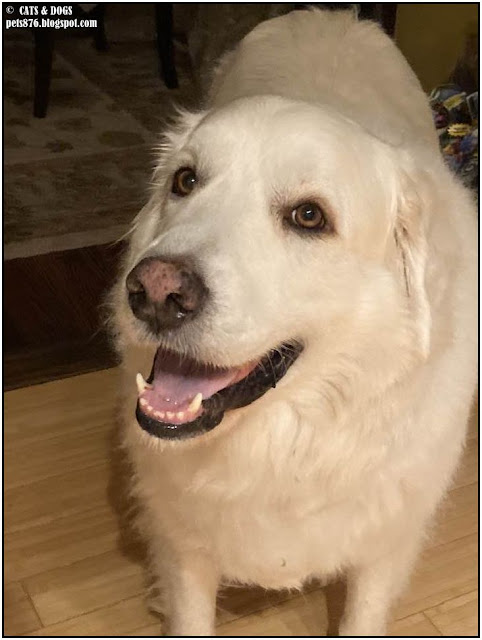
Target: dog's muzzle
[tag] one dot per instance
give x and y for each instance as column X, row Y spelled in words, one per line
column 182, row 397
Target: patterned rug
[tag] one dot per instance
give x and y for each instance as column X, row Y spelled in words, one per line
column 78, row 176
column 81, row 120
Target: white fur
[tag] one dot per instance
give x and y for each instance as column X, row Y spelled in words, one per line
column 341, row 467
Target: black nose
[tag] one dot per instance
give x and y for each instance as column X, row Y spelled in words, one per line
column 165, row 293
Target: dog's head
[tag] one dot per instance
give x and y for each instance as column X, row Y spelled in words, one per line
column 277, row 232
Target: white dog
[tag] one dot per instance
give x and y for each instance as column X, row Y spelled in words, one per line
column 300, row 292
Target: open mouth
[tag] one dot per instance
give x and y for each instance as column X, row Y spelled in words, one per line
column 183, row 398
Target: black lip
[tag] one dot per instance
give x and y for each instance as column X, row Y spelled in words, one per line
column 264, row 377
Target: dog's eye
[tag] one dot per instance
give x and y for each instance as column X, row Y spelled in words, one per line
column 184, row 181
column 308, row 216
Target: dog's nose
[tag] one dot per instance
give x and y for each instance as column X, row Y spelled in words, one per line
column 164, row 293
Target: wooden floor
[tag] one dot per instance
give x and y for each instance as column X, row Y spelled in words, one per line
column 68, row 572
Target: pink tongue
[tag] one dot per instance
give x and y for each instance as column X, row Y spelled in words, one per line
column 178, row 380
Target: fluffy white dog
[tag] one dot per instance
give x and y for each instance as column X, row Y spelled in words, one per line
column 300, row 293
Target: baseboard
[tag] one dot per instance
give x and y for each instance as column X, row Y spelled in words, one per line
column 53, row 314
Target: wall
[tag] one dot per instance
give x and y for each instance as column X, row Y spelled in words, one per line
column 432, row 37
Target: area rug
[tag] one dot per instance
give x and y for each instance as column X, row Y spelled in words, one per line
column 78, row 176
column 81, row 118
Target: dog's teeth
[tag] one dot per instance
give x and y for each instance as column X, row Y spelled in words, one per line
column 142, row 385
column 143, row 402
column 170, row 415
column 149, row 408
column 195, row 403
column 159, row 414
column 180, row 415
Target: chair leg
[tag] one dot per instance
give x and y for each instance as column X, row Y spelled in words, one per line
column 44, row 44
column 100, row 39
column 367, row 10
column 165, row 47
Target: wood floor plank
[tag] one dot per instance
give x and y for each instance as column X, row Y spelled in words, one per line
column 468, row 471
column 119, row 619
column 147, row 631
column 19, row 614
column 71, row 430
column 457, row 617
column 68, row 453
column 59, row 542
column 415, row 626
column 457, row 516
column 62, row 496
column 59, row 406
column 82, row 587
column 473, row 431
column 444, row 572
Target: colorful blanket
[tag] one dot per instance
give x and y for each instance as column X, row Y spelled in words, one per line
column 456, row 119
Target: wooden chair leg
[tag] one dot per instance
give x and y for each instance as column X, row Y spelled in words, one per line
column 44, row 44
column 100, row 39
column 165, row 45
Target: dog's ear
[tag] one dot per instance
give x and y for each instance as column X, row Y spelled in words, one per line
column 413, row 210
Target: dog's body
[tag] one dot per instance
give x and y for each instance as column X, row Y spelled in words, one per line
column 342, row 465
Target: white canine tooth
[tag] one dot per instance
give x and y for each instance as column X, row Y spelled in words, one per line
column 143, row 402
column 170, row 415
column 142, row 385
column 159, row 414
column 180, row 415
column 149, row 408
column 195, row 403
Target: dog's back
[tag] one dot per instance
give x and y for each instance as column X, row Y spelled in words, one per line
column 322, row 57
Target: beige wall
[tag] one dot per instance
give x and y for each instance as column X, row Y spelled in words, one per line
column 432, row 36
